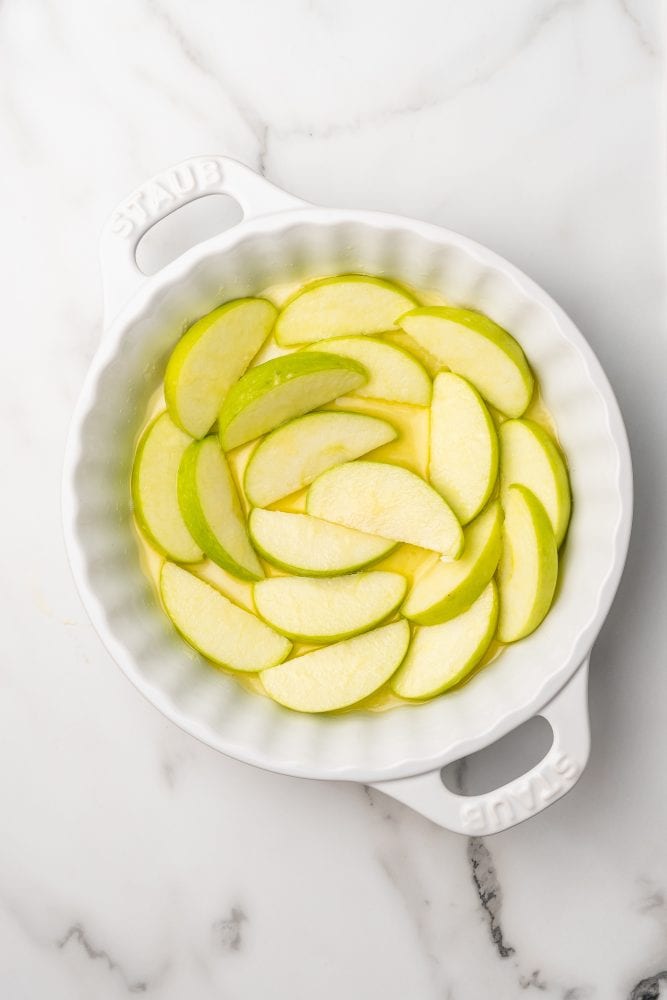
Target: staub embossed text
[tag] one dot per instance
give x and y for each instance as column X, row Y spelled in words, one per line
column 523, row 797
column 164, row 193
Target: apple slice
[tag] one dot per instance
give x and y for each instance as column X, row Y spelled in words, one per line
column 212, row 510
column 441, row 656
column 336, row 307
column 463, row 446
column 290, row 457
column 448, row 588
column 389, row 501
column 328, row 679
column 281, row 389
column 217, row 628
column 298, row 543
column 209, row 359
column 328, row 610
column 472, row 345
column 155, row 490
column 530, row 456
column 393, row 374
column 528, row 567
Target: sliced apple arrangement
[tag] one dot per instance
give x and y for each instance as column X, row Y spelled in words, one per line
column 281, row 470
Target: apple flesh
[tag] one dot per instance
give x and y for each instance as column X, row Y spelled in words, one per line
column 448, row 588
column 528, row 568
column 217, row 628
column 337, row 676
column 393, row 374
column 389, row 501
column 347, row 336
column 210, row 357
column 293, row 455
column 307, row 546
column 281, row 389
column 328, row 610
column 441, row 656
column 212, row 510
column 463, row 446
column 155, row 490
column 340, row 306
column 530, row 456
column 472, row 345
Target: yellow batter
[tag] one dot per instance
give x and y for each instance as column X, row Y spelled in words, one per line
column 410, row 449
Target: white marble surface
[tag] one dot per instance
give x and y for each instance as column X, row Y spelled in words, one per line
column 133, row 859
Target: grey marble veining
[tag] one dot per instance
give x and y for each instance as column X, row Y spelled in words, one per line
column 133, row 860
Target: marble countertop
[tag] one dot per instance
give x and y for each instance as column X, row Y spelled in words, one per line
column 134, row 860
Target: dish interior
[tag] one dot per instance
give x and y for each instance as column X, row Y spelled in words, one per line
column 410, row 450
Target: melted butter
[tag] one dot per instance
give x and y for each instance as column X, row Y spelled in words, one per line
column 410, row 450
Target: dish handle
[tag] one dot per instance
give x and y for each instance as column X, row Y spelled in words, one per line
column 165, row 193
column 525, row 796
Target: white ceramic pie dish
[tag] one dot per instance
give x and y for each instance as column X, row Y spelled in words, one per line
column 401, row 751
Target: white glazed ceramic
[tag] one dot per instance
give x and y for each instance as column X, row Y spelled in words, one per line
column 401, row 751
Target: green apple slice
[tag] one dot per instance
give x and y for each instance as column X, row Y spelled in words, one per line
column 448, row 588
column 472, row 345
column 209, row 359
column 393, row 374
column 155, row 490
column 336, row 307
column 389, row 501
column 528, row 567
column 212, row 510
column 441, row 656
column 217, row 628
column 337, row 676
column 281, row 389
column 320, row 611
column 298, row 543
column 530, row 456
column 463, row 446
column 290, row 457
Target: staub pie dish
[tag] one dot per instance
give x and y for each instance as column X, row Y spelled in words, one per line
column 283, row 240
